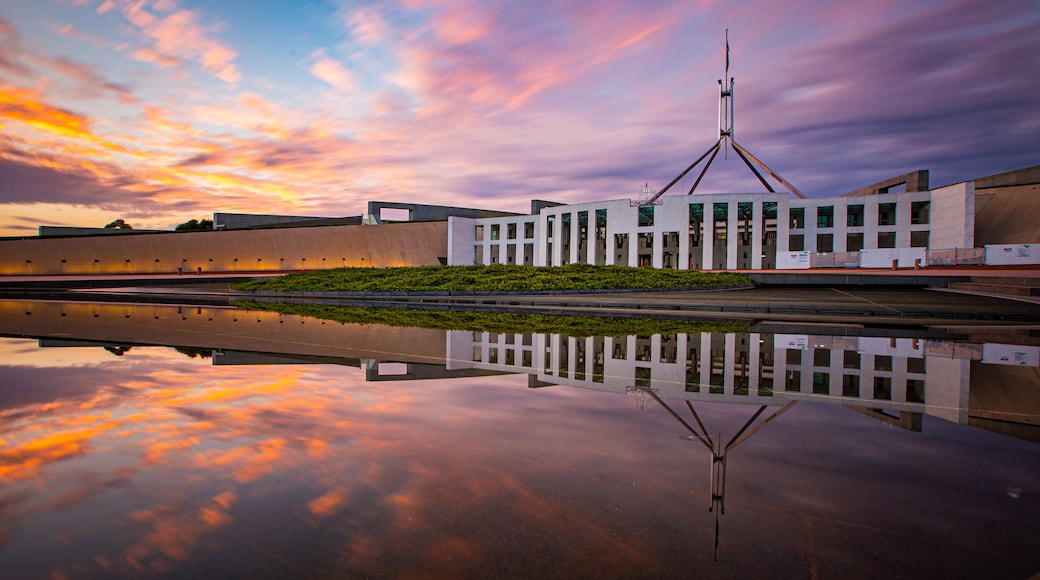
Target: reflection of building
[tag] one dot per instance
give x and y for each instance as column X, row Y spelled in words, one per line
column 895, row 379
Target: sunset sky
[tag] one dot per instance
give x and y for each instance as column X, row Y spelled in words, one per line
column 159, row 111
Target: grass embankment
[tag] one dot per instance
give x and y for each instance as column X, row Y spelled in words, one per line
column 498, row 322
column 494, row 278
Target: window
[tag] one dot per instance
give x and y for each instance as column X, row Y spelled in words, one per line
column 825, row 216
column 478, row 234
column 511, row 231
column 793, row 381
column 528, row 230
column 886, row 214
column 853, row 242
column 914, row 391
column 851, row 359
column 797, row 217
column 882, row 363
column 796, row 243
column 850, row 386
column 886, row 239
column 915, row 365
column 643, row 377
column 824, row 243
column 883, row 388
column 821, row 383
column 919, row 212
column 822, row 357
column 854, row 216
column 919, row 239
column 794, row 356
column 646, row 215
column 510, row 357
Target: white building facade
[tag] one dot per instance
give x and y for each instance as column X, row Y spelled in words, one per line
column 724, row 231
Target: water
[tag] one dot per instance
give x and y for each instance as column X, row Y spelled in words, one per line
column 164, row 440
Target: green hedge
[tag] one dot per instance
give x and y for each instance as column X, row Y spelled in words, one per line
column 494, row 278
column 498, row 322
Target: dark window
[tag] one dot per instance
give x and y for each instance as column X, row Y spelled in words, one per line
column 851, row 359
column 825, row 216
column 824, row 243
column 821, row 383
column 797, row 217
column 919, row 212
column 853, row 242
column 882, row 363
column 914, row 391
column 822, row 357
column 883, row 388
column 886, row 214
column 854, row 215
column 886, row 239
column 850, row 386
column 646, row 215
column 919, row 239
column 796, row 243
column 794, row 357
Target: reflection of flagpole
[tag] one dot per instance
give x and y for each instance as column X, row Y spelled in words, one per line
column 717, row 467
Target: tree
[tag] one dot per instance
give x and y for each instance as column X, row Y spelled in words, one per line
column 194, row 225
column 119, row 224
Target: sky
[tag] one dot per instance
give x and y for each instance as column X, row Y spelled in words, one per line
column 161, row 111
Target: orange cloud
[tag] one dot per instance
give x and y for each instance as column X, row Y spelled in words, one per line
column 25, row 107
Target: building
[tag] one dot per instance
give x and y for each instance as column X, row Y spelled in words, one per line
column 728, row 231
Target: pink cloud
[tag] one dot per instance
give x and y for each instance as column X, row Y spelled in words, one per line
column 332, row 72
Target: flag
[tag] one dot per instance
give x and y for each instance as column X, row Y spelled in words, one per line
column 727, row 52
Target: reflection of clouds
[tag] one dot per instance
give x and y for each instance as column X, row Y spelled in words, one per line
column 460, row 477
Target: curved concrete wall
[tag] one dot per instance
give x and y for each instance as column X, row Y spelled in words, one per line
column 221, row 329
column 305, row 248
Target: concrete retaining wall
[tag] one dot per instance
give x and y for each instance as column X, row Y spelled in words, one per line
column 305, row 248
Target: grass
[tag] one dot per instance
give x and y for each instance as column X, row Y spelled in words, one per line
column 494, row 278
column 497, row 322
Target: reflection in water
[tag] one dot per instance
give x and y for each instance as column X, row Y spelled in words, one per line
column 252, row 448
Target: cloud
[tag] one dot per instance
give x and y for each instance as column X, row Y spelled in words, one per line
column 176, row 36
column 332, row 72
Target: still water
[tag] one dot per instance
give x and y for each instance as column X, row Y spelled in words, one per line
column 142, row 440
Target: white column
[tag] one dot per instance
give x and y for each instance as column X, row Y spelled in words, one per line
column 731, row 237
column 757, row 224
column 708, row 238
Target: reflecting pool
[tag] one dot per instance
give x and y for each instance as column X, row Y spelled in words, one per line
column 211, row 441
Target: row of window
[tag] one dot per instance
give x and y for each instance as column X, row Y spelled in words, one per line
column 855, row 242
column 496, row 232
column 854, row 215
column 850, row 386
column 851, row 360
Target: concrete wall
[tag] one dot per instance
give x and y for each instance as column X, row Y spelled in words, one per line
column 460, row 241
column 310, row 248
column 953, row 217
column 219, row 328
column 418, row 212
column 1007, row 215
column 914, row 181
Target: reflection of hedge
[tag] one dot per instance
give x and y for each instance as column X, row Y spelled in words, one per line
column 498, row 322
column 494, row 278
